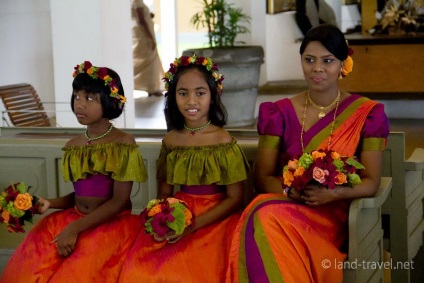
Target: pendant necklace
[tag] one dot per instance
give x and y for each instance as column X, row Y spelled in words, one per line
column 332, row 124
column 99, row 137
column 193, row 130
column 322, row 109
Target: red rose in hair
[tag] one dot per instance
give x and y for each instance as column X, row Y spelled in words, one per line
column 87, row 65
column 101, row 72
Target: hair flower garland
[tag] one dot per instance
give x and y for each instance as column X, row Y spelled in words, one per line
column 101, row 73
column 185, row 61
column 16, row 207
column 163, row 215
column 321, row 167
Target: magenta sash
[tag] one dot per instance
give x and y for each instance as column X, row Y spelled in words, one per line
column 202, row 189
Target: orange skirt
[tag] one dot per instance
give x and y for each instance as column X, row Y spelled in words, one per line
column 201, row 256
column 278, row 240
column 98, row 256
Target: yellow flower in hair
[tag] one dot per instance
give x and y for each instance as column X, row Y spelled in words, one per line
column 347, row 66
column 114, row 89
column 205, row 62
column 90, row 71
column 122, row 98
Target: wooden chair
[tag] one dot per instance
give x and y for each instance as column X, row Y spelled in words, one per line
column 24, row 106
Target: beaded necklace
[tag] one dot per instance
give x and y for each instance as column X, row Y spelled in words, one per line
column 193, row 130
column 322, row 114
column 332, row 124
column 99, row 137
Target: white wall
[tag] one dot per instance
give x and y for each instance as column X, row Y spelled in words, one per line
column 42, row 40
column 100, row 32
column 26, row 46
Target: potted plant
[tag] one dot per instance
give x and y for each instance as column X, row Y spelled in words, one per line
column 239, row 64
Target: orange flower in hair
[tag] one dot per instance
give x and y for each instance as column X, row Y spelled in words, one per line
column 347, row 66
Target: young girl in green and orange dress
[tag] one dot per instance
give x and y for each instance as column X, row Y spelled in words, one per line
column 88, row 236
column 200, row 157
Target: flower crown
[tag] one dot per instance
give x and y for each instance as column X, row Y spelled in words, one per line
column 348, row 63
column 194, row 60
column 101, row 73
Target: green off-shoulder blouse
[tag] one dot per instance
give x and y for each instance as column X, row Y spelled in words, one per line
column 220, row 164
column 120, row 161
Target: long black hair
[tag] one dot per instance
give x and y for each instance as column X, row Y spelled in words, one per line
column 217, row 111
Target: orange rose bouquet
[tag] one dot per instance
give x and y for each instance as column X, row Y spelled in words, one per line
column 16, row 207
column 163, row 215
column 324, row 167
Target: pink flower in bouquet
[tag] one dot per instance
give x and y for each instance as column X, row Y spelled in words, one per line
column 319, row 174
column 324, row 167
column 162, row 216
column 16, row 207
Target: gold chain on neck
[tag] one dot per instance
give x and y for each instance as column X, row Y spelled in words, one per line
column 332, row 124
column 322, row 109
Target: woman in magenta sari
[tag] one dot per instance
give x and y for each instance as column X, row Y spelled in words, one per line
column 284, row 235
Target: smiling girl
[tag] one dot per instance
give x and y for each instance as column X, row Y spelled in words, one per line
column 200, row 157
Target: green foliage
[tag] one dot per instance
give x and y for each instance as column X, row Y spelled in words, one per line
column 223, row 21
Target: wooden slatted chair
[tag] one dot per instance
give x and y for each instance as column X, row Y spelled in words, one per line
column 24, row 106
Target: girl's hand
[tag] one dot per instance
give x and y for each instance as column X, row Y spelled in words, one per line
column 317, row 195
column 66, row 241
column 171, row 237
column 43, row 205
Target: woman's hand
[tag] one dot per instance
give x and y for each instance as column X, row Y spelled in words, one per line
column 317, row 195
column 66, row 240
column 294, row 195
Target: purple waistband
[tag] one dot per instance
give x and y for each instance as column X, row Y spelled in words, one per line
column 202, row 189
column 97, row 185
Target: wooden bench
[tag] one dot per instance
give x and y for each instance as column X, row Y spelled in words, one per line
column 40, row 168
column 404, row 205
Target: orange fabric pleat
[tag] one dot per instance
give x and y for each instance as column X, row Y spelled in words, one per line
column 201, row 256
column 295, row 238
column 345, row 139
column 98, row 256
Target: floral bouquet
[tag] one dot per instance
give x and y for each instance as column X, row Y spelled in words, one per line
column 16, row 207
column 324, row 167
column 162, row 215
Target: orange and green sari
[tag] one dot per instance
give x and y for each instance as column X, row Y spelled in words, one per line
column 280, row 240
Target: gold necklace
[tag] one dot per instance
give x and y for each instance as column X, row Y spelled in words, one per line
column 99, row 137
column 193, row 130
column 322, row 114
column 304, row 119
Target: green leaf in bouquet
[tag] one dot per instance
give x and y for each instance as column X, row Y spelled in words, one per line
column 178, row 225
column 354, row 179
column 353, row 162
column 21, row 188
